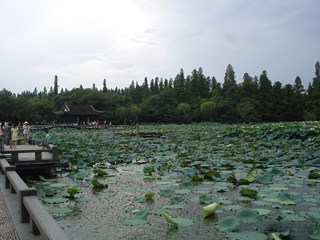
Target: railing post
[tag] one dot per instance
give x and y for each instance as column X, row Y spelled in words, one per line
column 55, row 153
column 38, row 156
column 7, row 169
column 25, row 216
column 35, row 229
column 15, row 156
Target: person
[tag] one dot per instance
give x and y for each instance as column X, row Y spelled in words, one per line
column 2, row 136
column 26, row 131
column 14, row 135
column 8, row 134
column 46, row 141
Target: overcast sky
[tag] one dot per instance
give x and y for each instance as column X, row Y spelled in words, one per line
column 86, row 41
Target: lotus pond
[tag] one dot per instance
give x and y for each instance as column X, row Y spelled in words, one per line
column 199, row 181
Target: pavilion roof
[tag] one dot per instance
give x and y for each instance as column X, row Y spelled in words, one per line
column 79, row 110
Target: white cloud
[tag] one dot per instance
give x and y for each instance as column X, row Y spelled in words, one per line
column 84, row 42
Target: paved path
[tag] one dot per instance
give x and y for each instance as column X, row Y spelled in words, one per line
column 11, row 227
column 7, row 227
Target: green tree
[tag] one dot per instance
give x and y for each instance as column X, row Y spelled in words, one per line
column 208, row 111
column 298, row 99
column 133, row 112
column 179, row 85
column 121, row 113
column 278, row 102
column 312, row 111
column 265, row 97
column 104, row 88
column 248, row 110
column 184, row 111
column 55, row 85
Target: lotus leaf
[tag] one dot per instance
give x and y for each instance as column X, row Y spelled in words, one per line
column 48, row 192
column 285, row 199
column 97, row 184
column 60, row 210
column 248, row 215
column 229, row 224
column 314, row 175
column 55, row 200
column 246, row 192
column 315, row 234
column 58, row 185
column 169, row 218
column 245, row 235
column 100, row 172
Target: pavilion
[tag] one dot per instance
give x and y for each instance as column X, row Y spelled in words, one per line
column 78, row 114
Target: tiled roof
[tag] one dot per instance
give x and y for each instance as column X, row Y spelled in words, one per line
column 79, row 110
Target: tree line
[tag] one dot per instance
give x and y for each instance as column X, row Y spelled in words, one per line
column 183, row 99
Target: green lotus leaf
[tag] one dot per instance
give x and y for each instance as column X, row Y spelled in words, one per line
column 173, row 206
column 148, row 169
column 100, row 172
column 169, row 218
column 186, row 185
column 246, row 192
column 205, row 199
column 60, row 210
column 212, row 175
column 58, row 185
column 285, row 199
column 314, row 175
column 141, row 213
column 97, row 184
column 149, row 194
column 229, row 224
column 245, row 235
column 183, row 222
column 251, row 176
column 79, row 175
column 262, row 211
column 135, row 222
column 248, row 215
column 166, row 192
column 315, row 234
column 268, row 177
column 183, row 191
column 175, row 200
column 281, row 235
column 48, row 192
column 197, row 178
column 55, row 200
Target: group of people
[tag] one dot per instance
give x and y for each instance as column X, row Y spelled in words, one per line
column 9, row 134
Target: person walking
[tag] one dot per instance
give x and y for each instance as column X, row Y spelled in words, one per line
column 8, row 134
column 26, row 132
column 2, row 136
column 14, row 135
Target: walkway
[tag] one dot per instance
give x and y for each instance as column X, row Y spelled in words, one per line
column 11, row 227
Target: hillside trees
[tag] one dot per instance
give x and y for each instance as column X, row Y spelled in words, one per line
column 312, row 111
column 186, row 98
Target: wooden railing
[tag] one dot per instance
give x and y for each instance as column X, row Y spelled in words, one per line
column 30, row 206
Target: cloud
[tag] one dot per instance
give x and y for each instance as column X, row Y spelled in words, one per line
column 84, row 42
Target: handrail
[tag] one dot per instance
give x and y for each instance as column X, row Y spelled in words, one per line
column 54, row 150
column 30, row 206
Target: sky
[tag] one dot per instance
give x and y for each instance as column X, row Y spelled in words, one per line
column 84, row 42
